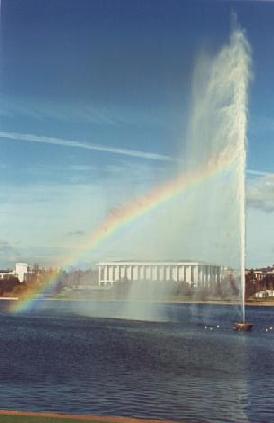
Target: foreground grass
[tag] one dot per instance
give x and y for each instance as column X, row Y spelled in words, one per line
column 40, row 419
column 25, row 417
column 28, row 419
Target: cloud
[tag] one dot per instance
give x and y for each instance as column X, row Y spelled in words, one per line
column 12, row 107
column 94, row 114
column 4, row 246
column 77, row 233
column 8, row 252
column 260, row 193
column 254, row 172
column 54, row 218
column 40, row 139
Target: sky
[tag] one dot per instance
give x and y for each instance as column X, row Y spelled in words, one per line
column 95, row 100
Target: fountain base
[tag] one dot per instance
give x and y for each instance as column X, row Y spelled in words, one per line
column 242, row 327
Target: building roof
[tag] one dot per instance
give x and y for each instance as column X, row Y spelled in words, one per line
column 153, row 262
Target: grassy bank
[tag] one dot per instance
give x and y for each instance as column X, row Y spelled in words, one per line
column 39, row 419
column 25, row 417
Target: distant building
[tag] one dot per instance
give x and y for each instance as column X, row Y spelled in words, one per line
column 197, row 275
column 5, row 274
column 260, row 282
column 264, row 294
column 21, row 271
column 259, row 274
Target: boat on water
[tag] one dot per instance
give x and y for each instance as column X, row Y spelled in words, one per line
column 242, row 327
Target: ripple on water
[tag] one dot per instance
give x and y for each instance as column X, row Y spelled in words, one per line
column 172, row 370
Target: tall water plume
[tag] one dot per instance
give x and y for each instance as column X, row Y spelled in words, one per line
column 217, row 130
column 206, row 221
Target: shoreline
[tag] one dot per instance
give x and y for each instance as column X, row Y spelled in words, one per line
column 77, row 418
column 254, row 303
column 9, row 298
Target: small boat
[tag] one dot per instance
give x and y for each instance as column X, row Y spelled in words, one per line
column 242, row 327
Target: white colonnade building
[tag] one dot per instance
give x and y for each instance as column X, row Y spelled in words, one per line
column 197, row 275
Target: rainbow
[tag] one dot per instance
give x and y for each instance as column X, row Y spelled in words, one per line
column 126, row 215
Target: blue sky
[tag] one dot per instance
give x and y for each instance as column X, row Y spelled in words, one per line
column 95, row 100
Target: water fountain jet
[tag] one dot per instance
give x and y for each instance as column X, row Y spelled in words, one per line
column 218, row 129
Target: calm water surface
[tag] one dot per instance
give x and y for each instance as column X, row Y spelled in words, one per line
column 56, row 358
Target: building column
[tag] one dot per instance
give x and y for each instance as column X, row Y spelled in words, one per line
column 208, row 276
column 192, row 273
column 181, row 273
column 196, row 274
column 218, row 275
column 200, row 275
column 174, row 273
column 204, row 276
column 185, row 280
column 155, row 272
column 115, row 278
column 99, row 275
column 168, row 272
column 215, row 276
column 110, row 274
column 128, row 272
column 161, row 273
column 135, row 272
column 158, row 272
column 145, row 272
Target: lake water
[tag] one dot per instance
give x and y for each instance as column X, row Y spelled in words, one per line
column 60, row 357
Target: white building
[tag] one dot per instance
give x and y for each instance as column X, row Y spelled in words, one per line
column 21, row 270
column 196, row 274
column 264, row 294
column 6, row 273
